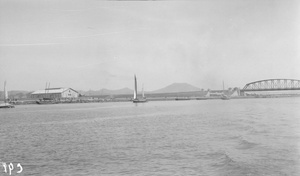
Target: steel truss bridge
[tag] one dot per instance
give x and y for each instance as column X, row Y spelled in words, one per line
column 272, row 85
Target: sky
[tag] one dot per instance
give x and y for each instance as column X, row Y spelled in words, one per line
column 90, row 45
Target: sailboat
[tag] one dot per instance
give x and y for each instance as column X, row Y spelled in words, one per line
column 46, row 99
column 135, row 99
column 5, row 104
column 143, row 94
column 224, row 97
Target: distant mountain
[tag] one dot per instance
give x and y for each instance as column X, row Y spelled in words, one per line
column 108, row 92
column 115, row 92
column 173, row 88
column 177, row 87
column 16, row 94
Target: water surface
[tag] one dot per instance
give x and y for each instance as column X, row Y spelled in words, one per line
column 212, row 137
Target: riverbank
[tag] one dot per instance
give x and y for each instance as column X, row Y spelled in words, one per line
column 104, row 100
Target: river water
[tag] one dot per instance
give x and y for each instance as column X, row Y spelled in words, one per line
column 204, row 137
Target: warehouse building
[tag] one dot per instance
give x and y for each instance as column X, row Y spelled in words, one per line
column 55, row 93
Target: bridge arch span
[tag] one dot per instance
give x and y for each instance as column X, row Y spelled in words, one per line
column 273, row 85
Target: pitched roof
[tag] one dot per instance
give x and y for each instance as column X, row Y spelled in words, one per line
column 52, row 90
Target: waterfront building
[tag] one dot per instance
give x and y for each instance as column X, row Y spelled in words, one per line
column 55, row 93
column 216, row 93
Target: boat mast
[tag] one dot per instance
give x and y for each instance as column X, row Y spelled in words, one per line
column 135, row 88
column 4, row 92
column 48, row 88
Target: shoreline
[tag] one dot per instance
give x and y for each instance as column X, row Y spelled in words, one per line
column 101, row 100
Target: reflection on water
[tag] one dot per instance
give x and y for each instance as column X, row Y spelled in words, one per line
column 214, row 137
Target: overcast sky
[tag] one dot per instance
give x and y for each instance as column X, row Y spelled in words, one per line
column 94, row 44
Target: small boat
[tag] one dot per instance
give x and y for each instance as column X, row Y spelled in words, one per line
column 5, row 104
column 46, row 101
column 223, row 96
column 135, row 99
column 139, row 101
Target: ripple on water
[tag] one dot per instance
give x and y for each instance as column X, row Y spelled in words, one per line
column 244, row 144
column 215, row 138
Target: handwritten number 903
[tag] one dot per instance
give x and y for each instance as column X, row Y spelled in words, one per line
column 10, row 167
